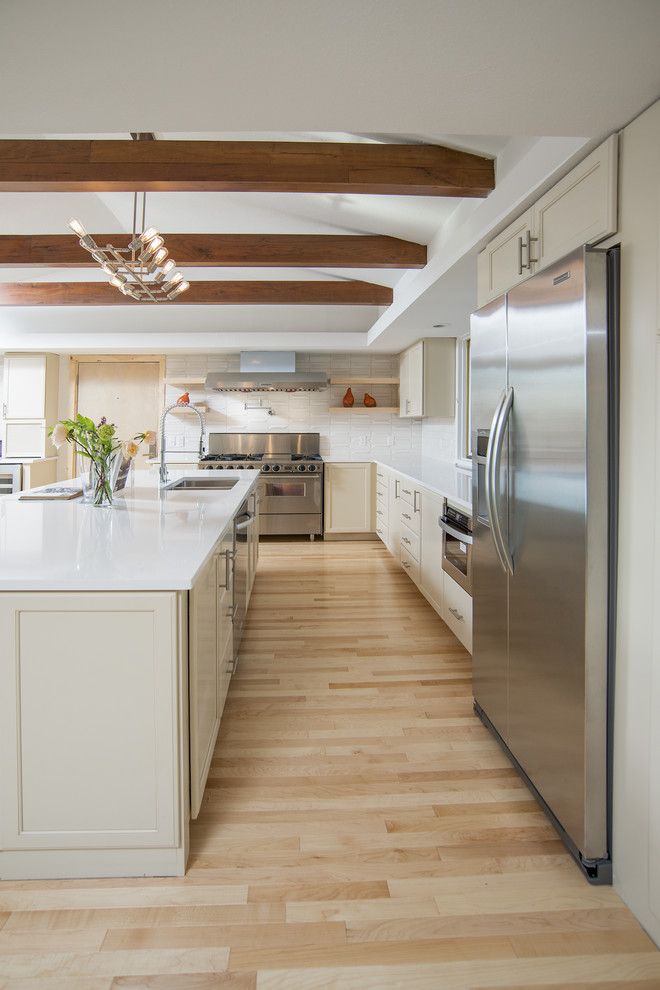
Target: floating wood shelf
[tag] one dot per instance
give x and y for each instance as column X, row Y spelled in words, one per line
column 385, row 409
column 186, row 382
column 365, row 380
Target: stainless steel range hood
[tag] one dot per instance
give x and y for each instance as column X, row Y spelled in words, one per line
column 264, row 381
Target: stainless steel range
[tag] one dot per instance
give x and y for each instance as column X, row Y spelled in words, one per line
column 290, row 490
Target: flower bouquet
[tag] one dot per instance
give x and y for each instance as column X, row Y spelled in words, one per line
column 99, row 444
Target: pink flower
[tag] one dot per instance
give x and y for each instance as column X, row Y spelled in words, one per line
column 150, row 437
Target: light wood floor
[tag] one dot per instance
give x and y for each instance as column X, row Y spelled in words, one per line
column 361, row 830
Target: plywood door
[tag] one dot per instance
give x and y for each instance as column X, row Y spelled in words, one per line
column 126, row 393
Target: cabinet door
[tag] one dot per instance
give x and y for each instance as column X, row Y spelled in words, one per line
column 581, row 208
column 225, row 624
column 394, row 515
column 89, row 751
column 404, row 383
column 24, row 386
column 505, row 261
column 349, row 498
column 457, row 611
column 204, row 711
column 411, row 386
column 24, row 438
column 431, row 550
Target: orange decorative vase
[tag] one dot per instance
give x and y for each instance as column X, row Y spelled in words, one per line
column 369, row 401
column 349, row 398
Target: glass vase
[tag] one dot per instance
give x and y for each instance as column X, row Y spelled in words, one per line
column 98, row 480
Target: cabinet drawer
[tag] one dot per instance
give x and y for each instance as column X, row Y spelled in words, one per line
column 382, row 532
column 382, row 516
column 408, row 493
column 410, row 565
column 410, row 542
column 381, row 492
column 24, row 439
column 408, row 517
column 457, row 611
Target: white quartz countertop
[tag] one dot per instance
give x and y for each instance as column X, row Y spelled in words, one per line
column 441, row 477
column 150, row 540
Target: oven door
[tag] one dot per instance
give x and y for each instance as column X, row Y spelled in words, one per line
column 289, row 494
column 457, row 553
column 10, row 478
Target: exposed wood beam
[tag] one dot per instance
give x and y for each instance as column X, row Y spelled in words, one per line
column 221, row 293
column 226, row 250
column 242, row 166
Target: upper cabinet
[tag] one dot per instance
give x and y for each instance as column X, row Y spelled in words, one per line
column 506, row 260
column 580, row 209
column 29, row 403
column 427, row 378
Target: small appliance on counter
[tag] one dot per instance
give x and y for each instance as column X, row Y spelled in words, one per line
column 290, row 490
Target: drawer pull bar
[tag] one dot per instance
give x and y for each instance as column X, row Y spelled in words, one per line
column 456, row 614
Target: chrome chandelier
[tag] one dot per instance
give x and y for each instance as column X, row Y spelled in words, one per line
column 143, row 270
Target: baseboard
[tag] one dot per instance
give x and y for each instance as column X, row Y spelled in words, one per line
column 59, row 864
column 350, row 536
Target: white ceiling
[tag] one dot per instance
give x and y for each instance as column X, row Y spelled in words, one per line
column 487, row 77
column 420, row 67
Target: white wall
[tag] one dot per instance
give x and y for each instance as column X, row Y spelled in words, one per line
column 637, row 696
column 343, row 434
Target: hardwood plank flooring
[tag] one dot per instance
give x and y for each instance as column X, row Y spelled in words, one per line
column 360, row 830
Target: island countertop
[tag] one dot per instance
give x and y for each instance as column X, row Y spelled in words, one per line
column 152, row 539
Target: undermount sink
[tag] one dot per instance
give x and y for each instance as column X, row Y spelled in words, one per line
column 203, row 484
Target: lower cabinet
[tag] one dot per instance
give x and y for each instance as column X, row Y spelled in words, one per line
column 92, row 726
column 349, row 499
column 432, row 574
column 457, row 611
column 210, row 661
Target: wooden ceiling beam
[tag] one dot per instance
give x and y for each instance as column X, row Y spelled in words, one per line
column 220, row 293
column 226, row 250
column 242, row 166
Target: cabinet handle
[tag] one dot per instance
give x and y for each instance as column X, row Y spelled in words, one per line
column 407, row 566
column 228, row 555
column 415, row 494
column 406, row 540
column 405, row 515
column 526, row 245
column 456, row 614
column 379, row 512
column 396, row 488
column 4, row 410
column 407, row 491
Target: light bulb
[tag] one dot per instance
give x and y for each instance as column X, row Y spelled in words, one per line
column 147, row 234
column 108, row 270
column 169, row 266
column 117, row 281
column 160, row 256
column 173, row 279
column 77, row 227
column 178, row 289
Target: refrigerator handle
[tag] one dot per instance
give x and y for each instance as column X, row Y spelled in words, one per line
column 493, row 463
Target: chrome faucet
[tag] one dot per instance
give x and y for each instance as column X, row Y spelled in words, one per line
column 164, row 476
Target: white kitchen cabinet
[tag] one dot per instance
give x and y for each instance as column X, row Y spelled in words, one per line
column 432, row 574
column 506, row 261
column 29, row 403
column 349, row 499
column 579, row 209
column 211, row 650
column 427, row 379
column 410, row 565
column 394, row 515
column 90, row 733
column 253, row 542
column 457, row 611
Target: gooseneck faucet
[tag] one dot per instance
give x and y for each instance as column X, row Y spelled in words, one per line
column 164, row 476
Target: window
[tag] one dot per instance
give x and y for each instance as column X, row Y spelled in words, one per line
column 463, row 421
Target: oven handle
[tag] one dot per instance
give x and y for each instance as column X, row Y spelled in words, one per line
column 458, row 534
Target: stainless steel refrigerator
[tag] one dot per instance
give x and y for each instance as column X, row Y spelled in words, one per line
column 544, row 428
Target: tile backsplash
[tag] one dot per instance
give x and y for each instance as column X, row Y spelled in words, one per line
column 343, row 433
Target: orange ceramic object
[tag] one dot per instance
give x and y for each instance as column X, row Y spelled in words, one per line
column 349, row 398
column 369, row 401
column 184, row 399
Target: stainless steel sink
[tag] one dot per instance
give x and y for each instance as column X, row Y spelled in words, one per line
column 203, row 484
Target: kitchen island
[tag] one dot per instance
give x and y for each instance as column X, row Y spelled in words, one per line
column 117, row 633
